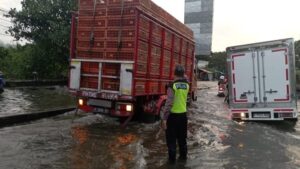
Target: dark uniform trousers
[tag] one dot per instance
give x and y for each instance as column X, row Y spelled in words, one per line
column 176, row 131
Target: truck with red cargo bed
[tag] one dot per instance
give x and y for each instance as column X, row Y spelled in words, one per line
column 123, row 54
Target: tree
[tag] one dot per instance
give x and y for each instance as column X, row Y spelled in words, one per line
column 3, row 56
column 45, row 23
column 218, row 62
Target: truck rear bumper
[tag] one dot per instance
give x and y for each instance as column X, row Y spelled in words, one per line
column 107, row 107
column 264, row 114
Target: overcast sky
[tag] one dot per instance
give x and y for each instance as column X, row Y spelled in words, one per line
column 235, row 21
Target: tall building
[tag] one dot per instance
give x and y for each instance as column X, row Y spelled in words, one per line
column 198, row 16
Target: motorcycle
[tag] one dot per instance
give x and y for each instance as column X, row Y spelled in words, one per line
column 221, row 89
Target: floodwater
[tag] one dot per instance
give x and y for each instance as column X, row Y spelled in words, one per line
column 89, row 141
column 15, row 101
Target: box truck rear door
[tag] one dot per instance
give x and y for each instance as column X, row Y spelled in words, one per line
column 275, row 75
column 244, row 77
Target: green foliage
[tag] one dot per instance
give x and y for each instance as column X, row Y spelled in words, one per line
column 16, row 63
column 45, row 23
column 3, row 56
column 217, row 62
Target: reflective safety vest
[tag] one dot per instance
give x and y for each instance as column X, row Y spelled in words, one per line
column 181, row 90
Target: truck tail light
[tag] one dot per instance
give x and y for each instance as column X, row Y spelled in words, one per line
column 80, row 102
column 125, row 107
column 129, row 107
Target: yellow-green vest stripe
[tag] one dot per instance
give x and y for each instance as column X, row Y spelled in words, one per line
column 181, row 90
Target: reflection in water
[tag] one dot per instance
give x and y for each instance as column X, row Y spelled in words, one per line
column 96, row 147
column 80, row 134
column 25, row 100
column 117, row 148
column 78, row 157
column 13, row 102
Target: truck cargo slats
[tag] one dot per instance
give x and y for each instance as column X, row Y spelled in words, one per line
column 141, row 67
column 111, row 69
column 142, row 56
column 89, row 54
column 123, row 55
column 117, row 22
column 125, row 44
column 118, row 11
column 126, row 2
column 144, row 23
column 143, row 35
column 126, row 33
column 143, row 46
column 86, row 44
column 89, row 67
column 89, row 4
column 85, row 33
column 140, row 87
column 89, row 22
column 90, row 12
column 110, row 84
column 156, row 39
column 153, row 87
column 110, row 12
column 89, row 82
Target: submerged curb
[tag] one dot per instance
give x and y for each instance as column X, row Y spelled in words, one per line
column 22, row 118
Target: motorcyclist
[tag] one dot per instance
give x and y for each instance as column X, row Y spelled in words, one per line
column 221, row 80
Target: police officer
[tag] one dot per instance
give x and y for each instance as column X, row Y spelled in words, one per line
column 174, row 118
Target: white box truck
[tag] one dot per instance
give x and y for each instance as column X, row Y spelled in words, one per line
column 262, row 81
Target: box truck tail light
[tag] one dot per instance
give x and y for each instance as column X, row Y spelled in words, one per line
column 243, row 114
column 240, row 114
column 283, row 115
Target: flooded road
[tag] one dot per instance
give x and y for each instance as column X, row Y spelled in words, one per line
column 94, row 142
column 15, row 101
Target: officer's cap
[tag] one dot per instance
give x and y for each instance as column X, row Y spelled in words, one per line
column 179, row 71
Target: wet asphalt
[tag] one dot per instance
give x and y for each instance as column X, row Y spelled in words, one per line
column 89, row 141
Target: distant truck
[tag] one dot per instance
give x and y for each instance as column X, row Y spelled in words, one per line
column 123, row 54
column 262, row 81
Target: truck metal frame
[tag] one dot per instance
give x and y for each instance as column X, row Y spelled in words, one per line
column 262, row 81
